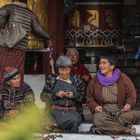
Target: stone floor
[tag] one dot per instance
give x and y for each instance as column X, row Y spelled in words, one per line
column 62, row 136
column 84, row 135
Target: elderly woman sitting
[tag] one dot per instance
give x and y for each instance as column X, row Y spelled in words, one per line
column 65, row 91
column 78, row 67
column 111, row 97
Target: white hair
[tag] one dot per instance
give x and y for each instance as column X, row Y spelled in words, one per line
column 74, row 50
column 63, row 61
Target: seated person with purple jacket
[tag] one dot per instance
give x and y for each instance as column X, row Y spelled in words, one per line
column 111, row 97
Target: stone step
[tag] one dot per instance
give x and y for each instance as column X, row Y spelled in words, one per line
column 84, row 135
column 73, row 136
column 85, row 127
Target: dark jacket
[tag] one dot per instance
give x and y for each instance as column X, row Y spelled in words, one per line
column 26, row 18
column 47, row 92
column 15, row 99
column 126, row 92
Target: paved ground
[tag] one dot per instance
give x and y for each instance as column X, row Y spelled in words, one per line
column 64, row 136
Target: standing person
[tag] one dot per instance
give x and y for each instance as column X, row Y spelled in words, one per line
column 64, row 90
column 80, row 69
column 14, row 95
column 111, row 97
column 19, row 12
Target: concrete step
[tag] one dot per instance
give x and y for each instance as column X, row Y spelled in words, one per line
column 72, row 136
column 83, row 135
column 85, row 127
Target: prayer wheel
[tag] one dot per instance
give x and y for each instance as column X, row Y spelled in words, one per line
column 39, row 7
column 95, row 23
column 4, row 2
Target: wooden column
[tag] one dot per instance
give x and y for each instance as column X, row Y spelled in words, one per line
column 56, row 28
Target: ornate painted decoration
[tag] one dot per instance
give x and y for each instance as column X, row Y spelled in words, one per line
column 94, row 24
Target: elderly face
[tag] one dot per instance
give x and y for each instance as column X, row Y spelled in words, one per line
column 73, row 56
column 15, row 81
column 64, row 73
column 105, row 67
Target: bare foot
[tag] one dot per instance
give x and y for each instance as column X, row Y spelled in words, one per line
column 133, row 131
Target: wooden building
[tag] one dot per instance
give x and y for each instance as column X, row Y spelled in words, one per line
column 116, row 27
column 121, row 18
column 92, row 26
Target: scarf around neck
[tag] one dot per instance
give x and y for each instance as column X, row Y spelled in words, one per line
column 106, row 81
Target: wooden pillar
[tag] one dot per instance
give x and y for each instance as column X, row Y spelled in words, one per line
column 56, row 28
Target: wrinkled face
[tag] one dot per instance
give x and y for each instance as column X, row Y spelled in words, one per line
column 105, row 67
column 64, row 73
column 73, row 56
column 15, row 81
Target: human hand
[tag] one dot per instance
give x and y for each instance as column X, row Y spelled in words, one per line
column 48, row 43
column 61, row 94
column 127, row 107
column 98, row 109
column 69, row 94
column 12, row 113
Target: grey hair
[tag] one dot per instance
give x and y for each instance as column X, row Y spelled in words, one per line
column 72, row 49
column 63, row 62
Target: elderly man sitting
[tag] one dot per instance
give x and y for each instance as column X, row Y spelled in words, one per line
column 14, row 94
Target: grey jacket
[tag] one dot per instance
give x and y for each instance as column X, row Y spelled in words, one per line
column 49, row 92
column 26, row 18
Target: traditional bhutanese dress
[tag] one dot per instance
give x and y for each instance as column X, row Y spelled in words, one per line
column 64, row 109
column 112, row 119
